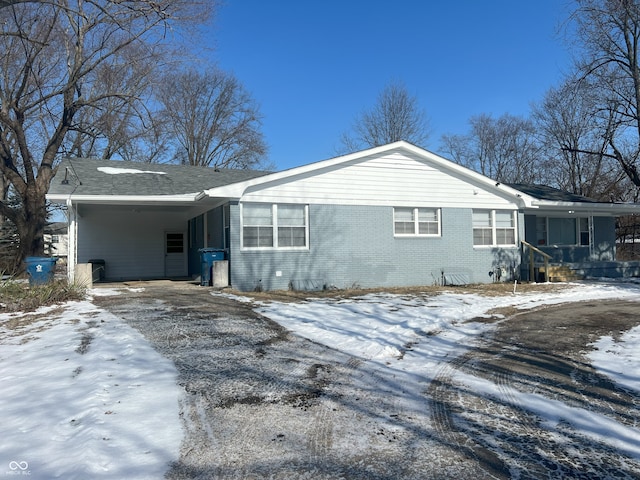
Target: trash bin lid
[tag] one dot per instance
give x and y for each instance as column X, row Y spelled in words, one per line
column 40, row 260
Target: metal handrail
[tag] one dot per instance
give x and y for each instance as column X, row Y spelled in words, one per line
column 546, row 257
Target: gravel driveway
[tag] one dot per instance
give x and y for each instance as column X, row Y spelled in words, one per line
column 261, row 402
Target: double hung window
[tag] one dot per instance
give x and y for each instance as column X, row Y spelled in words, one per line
column 266, row 225
column 416, row 221
column 292, row 225
column 494, row 227
column 257, row 225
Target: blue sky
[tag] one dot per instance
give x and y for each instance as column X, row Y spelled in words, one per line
column 313, row 66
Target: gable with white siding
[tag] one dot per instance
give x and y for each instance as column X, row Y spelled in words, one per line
column 403, row 175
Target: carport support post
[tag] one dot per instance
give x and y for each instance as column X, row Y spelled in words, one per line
column 72, row 243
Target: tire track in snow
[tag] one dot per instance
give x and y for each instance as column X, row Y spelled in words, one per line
column 508, row 428
column 508, row 439
column 270, row 426
column 440, row 394
column 319, row 436
column 445, row 397
column 274, row 390
column 499, row 425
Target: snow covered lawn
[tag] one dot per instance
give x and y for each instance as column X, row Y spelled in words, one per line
column 381, row 327
column 411, row 338
column 85, row 396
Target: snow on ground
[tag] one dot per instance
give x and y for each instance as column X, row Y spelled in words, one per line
column 380, row 327
column 554, row 412
column 410, row 338
column 85, row 396
column 619, row 360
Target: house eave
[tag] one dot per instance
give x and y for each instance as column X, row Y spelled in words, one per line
column 586, row 208
column 182, row 199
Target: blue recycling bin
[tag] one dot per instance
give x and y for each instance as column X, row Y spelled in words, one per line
column 207, row 257
column 40, row 269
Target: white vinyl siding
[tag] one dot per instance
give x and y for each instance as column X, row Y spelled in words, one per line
column 393, row 179
column 416, row 221
column 267, row 226
column 494, row 227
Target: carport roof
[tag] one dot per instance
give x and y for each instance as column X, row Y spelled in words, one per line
column 82, row 177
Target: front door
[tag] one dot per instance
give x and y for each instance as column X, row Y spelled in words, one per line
column 175, row 255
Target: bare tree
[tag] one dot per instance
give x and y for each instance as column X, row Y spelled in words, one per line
column 53, row 53
column 116, row 126
column 213, row 120
column 395, row 116
column 608, row 32
column 504, row 149
column 575, row 138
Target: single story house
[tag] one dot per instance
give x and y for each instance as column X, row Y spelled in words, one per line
column 395, row 215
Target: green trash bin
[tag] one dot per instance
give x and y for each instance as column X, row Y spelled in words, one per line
column 40, row 269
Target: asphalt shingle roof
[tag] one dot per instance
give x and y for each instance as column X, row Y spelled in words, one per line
column 113, row 177
column 543, row 192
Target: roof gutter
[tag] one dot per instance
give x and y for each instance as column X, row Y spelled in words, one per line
column 127, row 199
column 609, row 208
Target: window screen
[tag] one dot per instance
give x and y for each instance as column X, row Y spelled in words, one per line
column 562, row 231
column 291, row 226
column 257, row 225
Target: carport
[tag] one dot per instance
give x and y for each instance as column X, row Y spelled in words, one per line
column 143, row 223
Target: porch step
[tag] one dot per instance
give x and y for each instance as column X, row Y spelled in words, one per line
column 561, row 273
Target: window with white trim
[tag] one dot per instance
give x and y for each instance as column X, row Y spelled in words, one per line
column 266, row 225
column 584, row 231
column 292, row 225
column 494, row 227
column 423, row 222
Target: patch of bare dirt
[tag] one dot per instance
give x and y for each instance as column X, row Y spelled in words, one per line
column 487, row 289
column 17, row 324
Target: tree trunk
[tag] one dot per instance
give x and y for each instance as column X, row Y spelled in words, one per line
column 4, row 194
column 30, row 224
